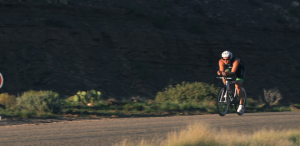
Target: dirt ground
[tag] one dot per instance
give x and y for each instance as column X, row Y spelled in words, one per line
column 9, row 121
column 105, row 132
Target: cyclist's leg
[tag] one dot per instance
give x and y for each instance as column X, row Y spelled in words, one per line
column 238, row 87
column 239, row 82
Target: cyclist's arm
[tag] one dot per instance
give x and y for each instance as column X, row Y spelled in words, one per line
column 234, row 67
column 221, row 65
column 222, row 69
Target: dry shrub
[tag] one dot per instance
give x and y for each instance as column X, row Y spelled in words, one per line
column 272, row 96
column 7, row 100
column 136, row 99
column 112, row 101
column 151, row 102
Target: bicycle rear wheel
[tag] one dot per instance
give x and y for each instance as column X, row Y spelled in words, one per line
column 244, row 102
column 222, row 102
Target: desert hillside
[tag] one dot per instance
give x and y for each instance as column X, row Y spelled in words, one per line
column 131, row 48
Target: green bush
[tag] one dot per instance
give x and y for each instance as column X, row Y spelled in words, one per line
column 188, row 106
column 133, row 106
column 127, row 107
column 209, row 106
column 148, row 110
column 24, row 113
column 251, row 102
column 39, row 102
column 174, row 106
column 154, row 106
column 169, row 106
column 85, row 97
column 165, row 106
column 7, row 100
column 187, row 93
column 138, row 106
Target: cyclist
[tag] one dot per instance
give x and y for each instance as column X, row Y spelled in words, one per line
column 228, row 66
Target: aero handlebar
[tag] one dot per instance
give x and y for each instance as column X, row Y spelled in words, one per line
column 224, row 77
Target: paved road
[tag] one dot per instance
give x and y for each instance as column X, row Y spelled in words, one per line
column 106, row 132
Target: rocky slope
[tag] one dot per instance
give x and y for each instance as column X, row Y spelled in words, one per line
column 138, row 47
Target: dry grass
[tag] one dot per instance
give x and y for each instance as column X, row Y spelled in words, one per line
column 202, row 134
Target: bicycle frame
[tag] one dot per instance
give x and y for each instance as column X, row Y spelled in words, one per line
column 227, row 83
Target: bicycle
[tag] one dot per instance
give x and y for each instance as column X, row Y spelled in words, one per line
column 223, row 103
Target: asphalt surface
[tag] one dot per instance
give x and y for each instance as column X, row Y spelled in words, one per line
column 107, row 132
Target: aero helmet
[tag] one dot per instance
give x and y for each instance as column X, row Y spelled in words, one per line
column 227, row 54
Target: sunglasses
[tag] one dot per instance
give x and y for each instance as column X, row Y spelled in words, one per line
column 225, row 59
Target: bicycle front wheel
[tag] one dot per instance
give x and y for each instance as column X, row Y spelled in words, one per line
column 222, row 102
